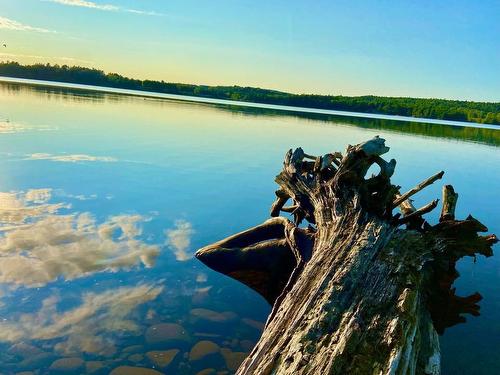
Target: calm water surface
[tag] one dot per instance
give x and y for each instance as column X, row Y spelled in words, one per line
column 104, row 198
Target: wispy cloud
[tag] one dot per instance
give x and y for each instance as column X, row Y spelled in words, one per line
column 65, row 59
column 85, row 4
column 144, row 12
column 105, row 7
column 70, row 158
column 6, row 23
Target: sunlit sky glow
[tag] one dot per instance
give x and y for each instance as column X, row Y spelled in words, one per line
column 446, row 49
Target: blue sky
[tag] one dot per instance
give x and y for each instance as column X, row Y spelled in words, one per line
column 446, row 49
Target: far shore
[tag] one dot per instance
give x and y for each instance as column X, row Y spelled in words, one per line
column 149, row 94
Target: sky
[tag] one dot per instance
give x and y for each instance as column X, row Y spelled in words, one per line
column 439, row 48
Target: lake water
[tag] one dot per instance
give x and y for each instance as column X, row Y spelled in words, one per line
column 105, row 197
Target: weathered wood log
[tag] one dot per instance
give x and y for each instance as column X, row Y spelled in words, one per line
column 417, row 188
column 355, row 292
column 418, row 213
column 449, row 203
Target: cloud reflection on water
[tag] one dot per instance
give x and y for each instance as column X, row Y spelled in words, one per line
column 7, row 127
column 38, row 245
column 85, row 328
column 38, row 195
column 73, row 158
column 179, row 239
column 16, row 207
column 11, row 127
column 42, row 242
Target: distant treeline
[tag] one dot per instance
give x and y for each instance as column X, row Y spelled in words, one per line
column 457, row 110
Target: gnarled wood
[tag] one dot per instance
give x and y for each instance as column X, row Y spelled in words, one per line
column 417, row 188
column 355, row 292
column 449, row 203
column 418, row 213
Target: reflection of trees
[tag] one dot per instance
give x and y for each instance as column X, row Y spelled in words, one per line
column 487, row 136
column 481, row 112
column 479, row 135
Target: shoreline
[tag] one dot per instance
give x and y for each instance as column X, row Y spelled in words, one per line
column 199, row 99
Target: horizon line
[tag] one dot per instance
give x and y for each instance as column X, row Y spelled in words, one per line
column 205, row 100
column 253, row 87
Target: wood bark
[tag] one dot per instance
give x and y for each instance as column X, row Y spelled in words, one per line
column 360, row 290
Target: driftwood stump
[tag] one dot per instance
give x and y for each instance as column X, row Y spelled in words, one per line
column 359, row 290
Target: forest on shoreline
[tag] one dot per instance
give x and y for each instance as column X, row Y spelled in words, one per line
column 455, row 110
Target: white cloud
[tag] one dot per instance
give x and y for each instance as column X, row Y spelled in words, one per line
column 179, row 239
column 73, row 158
column 85, row 4
column 144, row 12
column 38, row 246
column 85, row 328
column 105, row 7
column 6, row 23
column 61, row 59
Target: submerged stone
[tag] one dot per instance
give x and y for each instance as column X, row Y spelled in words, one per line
column 95, row 367
column 207, row 371
column 129, row 370
column 37, row 361
column 234, row 343
column 70, row 365
column 247, row 345
column 133, row 349
column 203, row 349
column 205, row 354
column 162, row 358
column 253, row 323
column 233, row 359
column 167, row 334
column 24, row 350
column 136, row 358
column 207, row 335
column 213, row 316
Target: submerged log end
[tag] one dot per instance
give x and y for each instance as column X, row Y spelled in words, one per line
column 260, row 257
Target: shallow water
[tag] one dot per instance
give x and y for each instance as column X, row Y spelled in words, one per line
column 246, row 104
column 105, row 198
